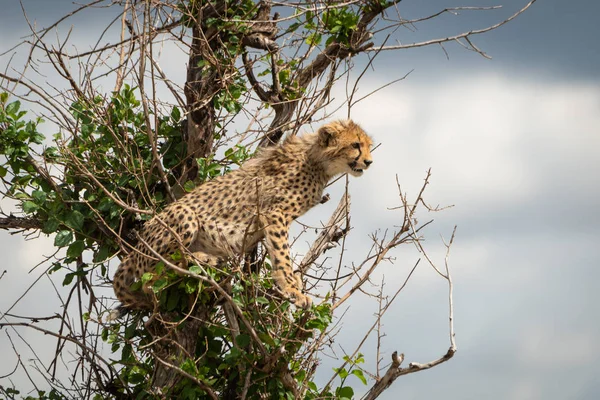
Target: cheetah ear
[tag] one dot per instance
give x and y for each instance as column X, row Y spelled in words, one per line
column 327, row 136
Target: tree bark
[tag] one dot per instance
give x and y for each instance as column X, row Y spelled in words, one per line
column 202, row 84
column 199, row 90
column 206, row 76
column 12, row 222
column 174, row 345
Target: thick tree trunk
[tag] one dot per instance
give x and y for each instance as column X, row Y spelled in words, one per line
column 201, row 85
column 174, row 346
column 206, row 76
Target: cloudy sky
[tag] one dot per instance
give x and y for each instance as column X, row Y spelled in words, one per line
column 514, row 144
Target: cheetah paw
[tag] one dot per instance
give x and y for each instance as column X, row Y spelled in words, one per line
column 302, row 301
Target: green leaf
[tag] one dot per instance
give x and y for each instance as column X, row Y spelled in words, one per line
column 300, row 375
column 129, row 331
column 101, row 254
column 13, row 108
column 29, row 206
column 68, row 278
column 135, row 286
column 55, row 267
column 242, row 340
column 313, row 39
column 265, row 72
column 75, row 220
column 284, row 76
column 159, row 285
column 50, row 153
column 191, row 286
column 175, row 115
column 195, row 269
column 105, row 204
column 51, row 226
column 189, row 186
column 159, row 268
column 266, row 338
column 358, row 373
column 75, row 249
column 37, row 138
column 345, row 392
column 293, row 26
column 63, row 238
column 39, row 196
column 341, row 372
column 176, row 256
column 147, row 277
column 3, row 171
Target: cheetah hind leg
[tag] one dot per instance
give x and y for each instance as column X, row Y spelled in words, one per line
column 130, row 300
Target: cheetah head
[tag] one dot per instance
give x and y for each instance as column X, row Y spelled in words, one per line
column 346, row 147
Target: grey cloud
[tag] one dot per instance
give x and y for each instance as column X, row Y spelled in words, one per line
column 553, row 38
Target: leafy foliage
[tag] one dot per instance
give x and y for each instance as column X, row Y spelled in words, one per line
column 106, row 168
column 223, row 356
column 340, row 23
column 100, row 179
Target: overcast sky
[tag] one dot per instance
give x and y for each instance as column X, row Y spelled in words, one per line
column 514, row 144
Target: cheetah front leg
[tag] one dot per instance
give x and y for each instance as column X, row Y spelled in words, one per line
column 276, row 236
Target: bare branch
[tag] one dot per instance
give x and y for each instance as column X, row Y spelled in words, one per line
column 330, row 235
column 455, row 37
column 12, row 222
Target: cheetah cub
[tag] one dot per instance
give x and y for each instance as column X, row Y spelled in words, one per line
column 228, row 215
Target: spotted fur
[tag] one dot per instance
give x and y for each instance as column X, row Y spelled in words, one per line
column 230, row 214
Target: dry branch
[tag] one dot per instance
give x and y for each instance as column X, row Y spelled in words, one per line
column 12, row 222
column 330, row 235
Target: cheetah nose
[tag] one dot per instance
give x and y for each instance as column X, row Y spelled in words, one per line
column 368, row 162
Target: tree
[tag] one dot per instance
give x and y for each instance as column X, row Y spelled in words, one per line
column 121, row 155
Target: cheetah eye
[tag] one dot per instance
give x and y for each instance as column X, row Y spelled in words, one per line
column 356, row 145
